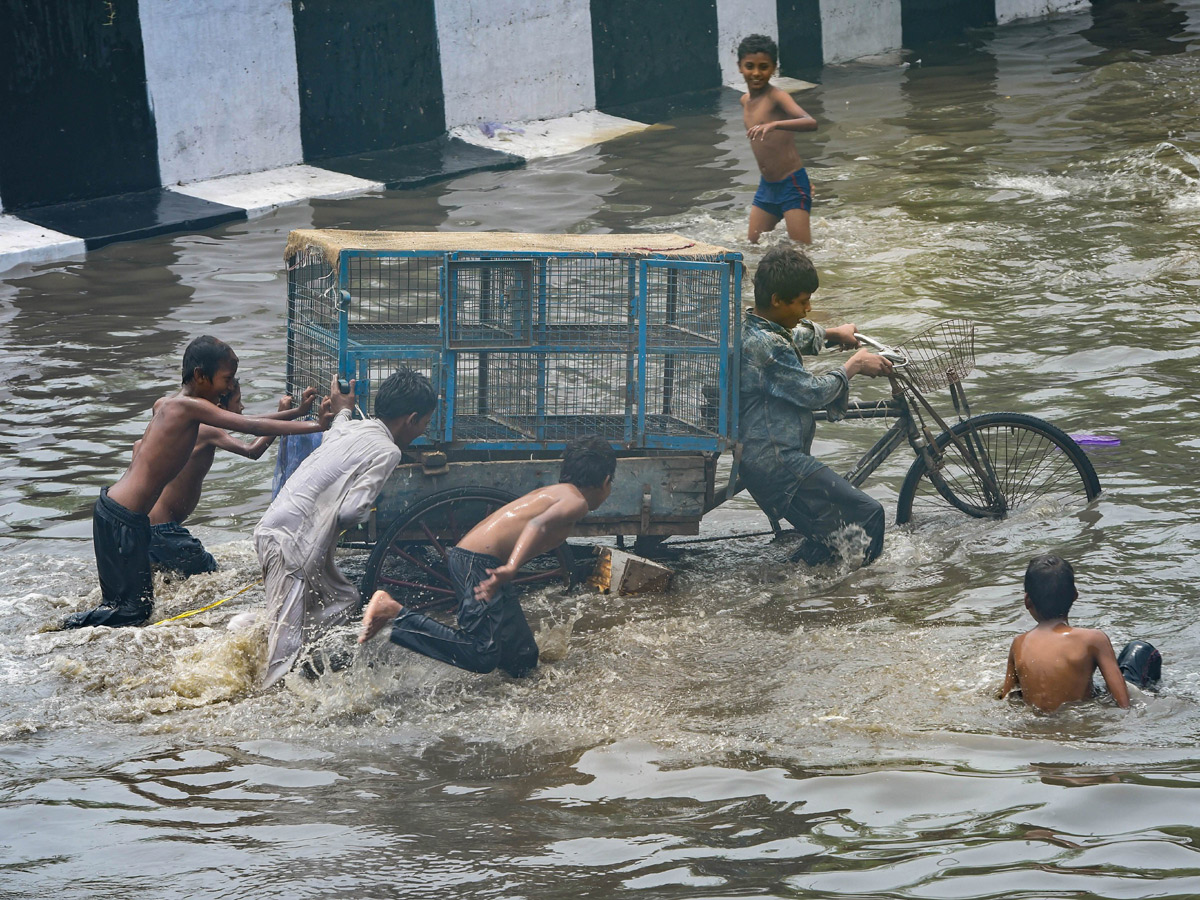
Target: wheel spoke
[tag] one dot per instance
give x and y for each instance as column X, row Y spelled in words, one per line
column 549, row 575
column 428, row 588
column 420, row 565
column 437, row 545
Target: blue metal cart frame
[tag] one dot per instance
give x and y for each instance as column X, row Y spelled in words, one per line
column 531, row 341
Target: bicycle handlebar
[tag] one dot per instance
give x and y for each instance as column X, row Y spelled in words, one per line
column 899, row 360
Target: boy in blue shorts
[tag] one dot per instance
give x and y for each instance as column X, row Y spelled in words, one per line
column 770, row 115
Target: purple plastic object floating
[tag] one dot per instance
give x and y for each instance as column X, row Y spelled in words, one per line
column 1096, row 440
column 491, row 129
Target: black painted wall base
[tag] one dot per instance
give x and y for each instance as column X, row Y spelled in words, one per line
column 129, row 217
column 418, row 164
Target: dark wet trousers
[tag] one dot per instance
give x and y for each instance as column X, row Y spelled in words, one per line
column 122, row 542
column 489, row 635
column 825, row 503
column 1140, row 663
column 174, row 548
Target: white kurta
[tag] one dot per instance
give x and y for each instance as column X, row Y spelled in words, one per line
column 332, row 490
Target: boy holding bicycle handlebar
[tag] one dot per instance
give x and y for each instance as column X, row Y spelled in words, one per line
column 778, row 397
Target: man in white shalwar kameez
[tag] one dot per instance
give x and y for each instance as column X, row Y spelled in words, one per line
column 332, row 490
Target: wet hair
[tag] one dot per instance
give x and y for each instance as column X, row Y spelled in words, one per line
column 784, row 272
column 205, row 353
column 758, row 43
column 587, row 462
column 226, row 398
column 404, row 392
column 1050, row 585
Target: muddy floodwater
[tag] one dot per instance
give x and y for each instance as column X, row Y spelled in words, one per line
column 761, row 729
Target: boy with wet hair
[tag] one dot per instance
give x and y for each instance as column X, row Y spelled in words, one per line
column 172, row 547
column 120, row 520
column 492, row 630
column 1054, row 663
column 332, row 490
column 770, row 116
column 778, row 398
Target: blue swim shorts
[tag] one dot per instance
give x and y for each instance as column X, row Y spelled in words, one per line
column 777, row 197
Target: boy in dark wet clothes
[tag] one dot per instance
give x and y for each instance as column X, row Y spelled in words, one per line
column 492, row 631
column 1054, row 663
column 332, row 490
column 120, row 520
column 778, row 397
column 172, row 547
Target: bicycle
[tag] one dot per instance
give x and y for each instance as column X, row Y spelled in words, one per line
column 985, row 466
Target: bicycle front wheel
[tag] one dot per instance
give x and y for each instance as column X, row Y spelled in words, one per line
column 1028, row 460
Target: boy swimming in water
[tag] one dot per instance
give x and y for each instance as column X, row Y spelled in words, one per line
column 120, row 520
column 492, row 631
column 1053, row 663
column 172, row 547
column 770, row 116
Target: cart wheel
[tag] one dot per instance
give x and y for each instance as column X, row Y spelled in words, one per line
column 409, row 559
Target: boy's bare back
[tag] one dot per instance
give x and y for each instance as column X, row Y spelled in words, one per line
column 1054, row 663
column 555, row 507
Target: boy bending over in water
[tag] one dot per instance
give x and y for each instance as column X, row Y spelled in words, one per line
column 120, row 524
column 492, row 631
column 173, row 547
column 332, row 490
column 1053, row 663
column 770, row 116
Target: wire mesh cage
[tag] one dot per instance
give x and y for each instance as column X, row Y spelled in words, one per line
column 531, row 340
column 941, row 355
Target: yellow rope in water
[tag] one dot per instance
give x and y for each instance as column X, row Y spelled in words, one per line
column 192, row 612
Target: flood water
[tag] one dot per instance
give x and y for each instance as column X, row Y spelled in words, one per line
column 759, row 730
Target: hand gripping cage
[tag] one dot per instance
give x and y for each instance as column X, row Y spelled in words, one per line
column 530, row 340
column 941, row 355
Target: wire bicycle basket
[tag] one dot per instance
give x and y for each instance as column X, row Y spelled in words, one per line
column 941, row 355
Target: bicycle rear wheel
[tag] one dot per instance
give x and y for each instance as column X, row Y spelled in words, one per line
column 1030, row 461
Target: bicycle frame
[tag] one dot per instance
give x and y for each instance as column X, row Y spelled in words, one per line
column 910, row 426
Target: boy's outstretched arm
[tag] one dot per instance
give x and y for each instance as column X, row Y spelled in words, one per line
column 209, row 414
column 256, row 448
column 1010, row 673
column 796, row 119
column 223, row 440
column 1106, row 661
column 541, row 533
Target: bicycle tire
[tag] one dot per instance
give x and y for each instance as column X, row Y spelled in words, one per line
column 425, row 563
column 1030, row 460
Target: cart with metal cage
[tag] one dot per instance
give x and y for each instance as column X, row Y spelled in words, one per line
column 531, row 341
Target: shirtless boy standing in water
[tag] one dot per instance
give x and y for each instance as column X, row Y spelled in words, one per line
column 1053, row 663
column 492, row 631
column 120, row 524
column 172, row 547
column 771, row 115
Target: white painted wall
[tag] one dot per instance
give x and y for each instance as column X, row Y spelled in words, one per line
column 854, row 28
column 735, row 20
column 515, row 60
column 1010, row 10
column 221, row 75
